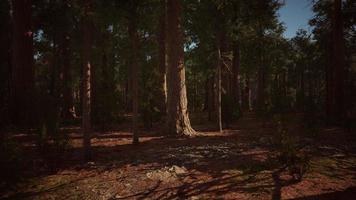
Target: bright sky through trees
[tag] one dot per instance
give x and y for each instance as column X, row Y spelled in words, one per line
column 295, row 14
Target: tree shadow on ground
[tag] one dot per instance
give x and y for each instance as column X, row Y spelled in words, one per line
column 348, row 194
column 236, row 162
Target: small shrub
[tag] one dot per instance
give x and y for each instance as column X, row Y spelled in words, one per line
column 289, row 154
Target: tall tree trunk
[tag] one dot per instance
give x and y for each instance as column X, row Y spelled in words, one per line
column 338, row 62
column 218, row 89
column 162, row 57
column 134, row 67
column 212, row 99
column 68, row 111
column 178, row 122
column 5, row 61
column 23, row 73
column 220, row 47
column 86, row 80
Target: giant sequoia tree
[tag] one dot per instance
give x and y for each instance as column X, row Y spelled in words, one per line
column 178, row 121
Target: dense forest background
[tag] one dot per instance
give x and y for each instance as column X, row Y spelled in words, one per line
column 46, row 43
column 170, row 64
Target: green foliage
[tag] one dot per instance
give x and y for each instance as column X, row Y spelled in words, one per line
column 289, row 153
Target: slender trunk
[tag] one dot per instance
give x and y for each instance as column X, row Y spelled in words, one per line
column 22, row 93
column 212, row 98
column 260, row 99
column 236, row 74
column 86, row 84
column 206, row 95
column 218, row 91
column 247, row 95
column 220, row 47
column 162, row 57
column 134, row 67
column 178, row 122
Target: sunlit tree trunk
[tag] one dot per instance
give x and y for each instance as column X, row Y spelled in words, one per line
column 178, row 122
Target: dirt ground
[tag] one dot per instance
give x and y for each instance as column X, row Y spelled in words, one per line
column 239, row 163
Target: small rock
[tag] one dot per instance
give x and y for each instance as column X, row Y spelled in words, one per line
column 91, row 163
column 161, row 175
column 178, row 170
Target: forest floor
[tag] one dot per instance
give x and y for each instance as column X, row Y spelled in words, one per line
column 239, row 163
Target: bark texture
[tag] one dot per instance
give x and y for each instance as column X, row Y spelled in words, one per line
column 178, row 122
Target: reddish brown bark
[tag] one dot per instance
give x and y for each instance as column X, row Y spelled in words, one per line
column 178, row 122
